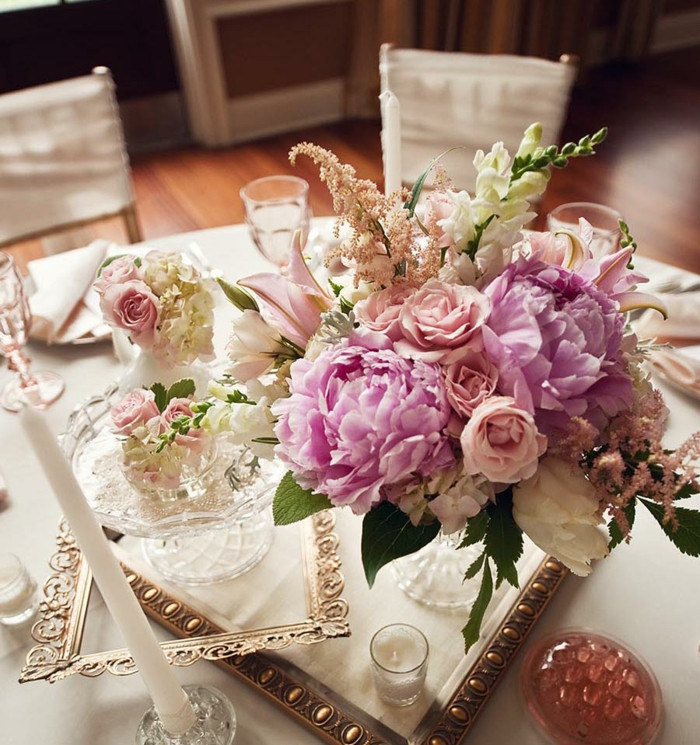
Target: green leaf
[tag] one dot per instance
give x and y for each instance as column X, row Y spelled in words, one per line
column 388, row 534
column 475, row 567
column 616, row 536
column 335, row 287
column 292, row 503
column 471, row 631
column 476, row 529
column 687, row 490
column 161, row 395
column 504, row 539
column 410, row 205
column 686, row 537
column 181, row 389
column 238, row 397
column 238, row 296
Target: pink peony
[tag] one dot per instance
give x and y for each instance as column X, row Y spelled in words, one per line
column 380, row 311
column 117, row 272
column 134, row 410
column 441, row 322
column 469, row 382
column 501, row 441
column 557, row 341
column 360, row 419
column 133, row 307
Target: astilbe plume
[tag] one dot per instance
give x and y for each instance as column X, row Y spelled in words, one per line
column 383, row 245
column 633, row 463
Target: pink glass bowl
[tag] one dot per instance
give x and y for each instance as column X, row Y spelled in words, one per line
column 582, row 688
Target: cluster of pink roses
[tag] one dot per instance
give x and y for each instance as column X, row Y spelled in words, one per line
column 162, row 303
column 139, row 424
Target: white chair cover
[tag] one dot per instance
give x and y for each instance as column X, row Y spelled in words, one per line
column 62, row 156
column 454, row 99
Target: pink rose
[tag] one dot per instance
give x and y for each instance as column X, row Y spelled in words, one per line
column 438, row 206
column 380, row 310
column 194, row 440
column 470, row 382
column 440, row 322
column 133, row 307
column 134, row 410
column 501, row 441
column 117, row 272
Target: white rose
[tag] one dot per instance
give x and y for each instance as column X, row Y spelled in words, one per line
column 558, row 510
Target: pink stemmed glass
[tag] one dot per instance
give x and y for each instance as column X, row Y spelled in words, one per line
column 39, row 389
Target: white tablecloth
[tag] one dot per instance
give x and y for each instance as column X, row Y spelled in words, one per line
column 646, row 593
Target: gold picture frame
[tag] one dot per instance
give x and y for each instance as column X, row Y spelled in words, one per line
column 250, row 655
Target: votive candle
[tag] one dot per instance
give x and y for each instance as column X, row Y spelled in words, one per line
column 169, row 699
column 399, row 655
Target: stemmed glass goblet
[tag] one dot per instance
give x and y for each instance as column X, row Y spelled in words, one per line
column 41, row 388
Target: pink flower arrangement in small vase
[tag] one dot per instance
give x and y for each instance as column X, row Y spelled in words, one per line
column 163, row 457
column 165, row 308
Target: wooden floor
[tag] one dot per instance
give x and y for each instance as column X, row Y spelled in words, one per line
column 648, row 169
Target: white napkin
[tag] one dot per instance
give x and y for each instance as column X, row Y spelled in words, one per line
column 65, row 308
column 683, row 320
column 679, row 368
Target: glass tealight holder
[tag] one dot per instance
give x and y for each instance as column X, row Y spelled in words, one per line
column 18, row 592
column 582, row 688
column 399, row 655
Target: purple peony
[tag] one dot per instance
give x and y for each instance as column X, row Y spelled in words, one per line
column 556, row 340
column 358, row 419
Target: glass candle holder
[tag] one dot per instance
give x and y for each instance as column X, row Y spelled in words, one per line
column 603, row 220
column 399, row 655
column 18, row 596
column 582, row 688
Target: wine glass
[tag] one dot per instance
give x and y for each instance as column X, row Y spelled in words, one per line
column 39, row 389
column 275, row 208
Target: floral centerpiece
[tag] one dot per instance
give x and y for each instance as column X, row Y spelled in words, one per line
column 162, row 303
column 463, row 376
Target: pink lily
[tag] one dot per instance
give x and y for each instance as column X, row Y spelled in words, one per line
column 614, row 278
column 294, row 303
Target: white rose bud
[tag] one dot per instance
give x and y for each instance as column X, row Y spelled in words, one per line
column 558, row 510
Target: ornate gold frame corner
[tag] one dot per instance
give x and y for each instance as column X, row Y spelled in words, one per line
column 59, row 630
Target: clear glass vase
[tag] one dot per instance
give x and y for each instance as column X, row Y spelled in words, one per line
column 434, row 575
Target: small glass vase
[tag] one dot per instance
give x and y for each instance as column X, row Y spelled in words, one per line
column 434, row 575
column 195, row 477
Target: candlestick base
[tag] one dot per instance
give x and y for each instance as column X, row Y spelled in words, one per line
column 215, row 725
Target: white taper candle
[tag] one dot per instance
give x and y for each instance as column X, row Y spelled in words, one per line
column 391, row 141
column 170, row 700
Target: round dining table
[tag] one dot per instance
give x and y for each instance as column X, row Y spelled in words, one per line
column 646, row 593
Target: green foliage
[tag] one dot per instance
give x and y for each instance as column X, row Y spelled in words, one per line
column 476, row 617
column 292, row 503
column 503, row 541
column 476, row 529
column 686, row 537
column 388, row 534
column 410, row 205
column 616, row 536
column 542, row 157
column 238, row 296
column 161, row 394
column 238, row 397
column 181, row 389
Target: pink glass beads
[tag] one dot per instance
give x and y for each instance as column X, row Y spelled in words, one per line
column 586, row 689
